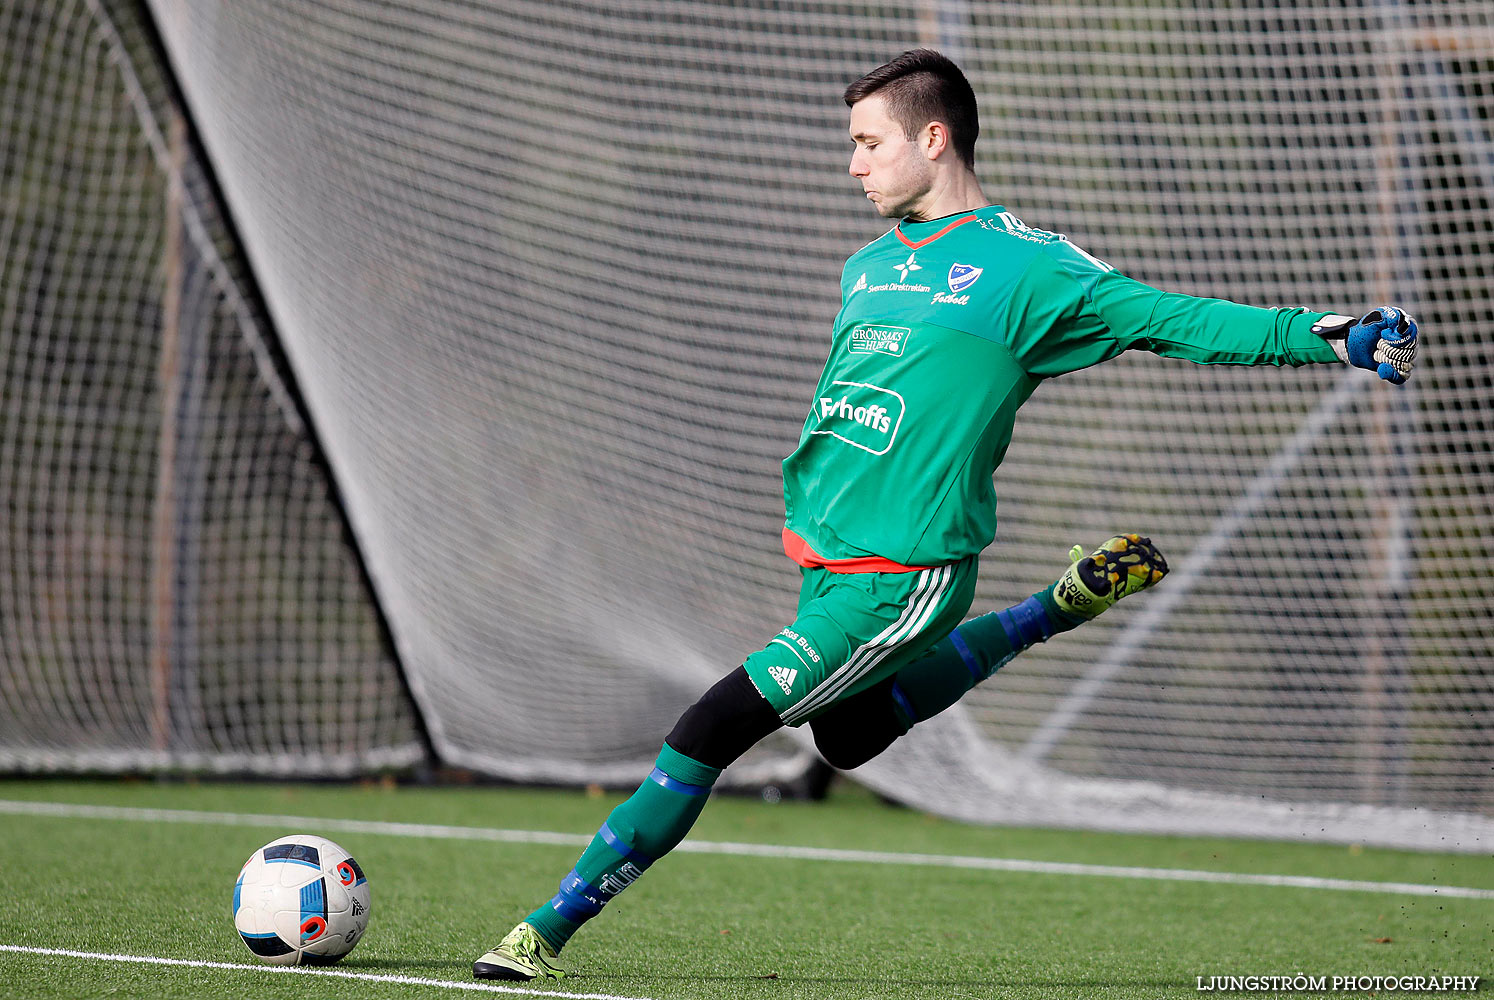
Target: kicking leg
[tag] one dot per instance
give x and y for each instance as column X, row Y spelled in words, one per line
column 862, row 726
column 712, row 733
column 1121, row 566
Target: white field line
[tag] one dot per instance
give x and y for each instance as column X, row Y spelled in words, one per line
column 431, row 831
column 372, row 977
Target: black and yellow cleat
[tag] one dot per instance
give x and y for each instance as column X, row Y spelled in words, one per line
column 1118, row 568
column 522, row 955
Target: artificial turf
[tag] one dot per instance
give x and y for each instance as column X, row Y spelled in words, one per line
column 711, row 925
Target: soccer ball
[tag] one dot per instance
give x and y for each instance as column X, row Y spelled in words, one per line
column 301, row 900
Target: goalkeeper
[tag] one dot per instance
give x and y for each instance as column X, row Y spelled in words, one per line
column 948, row 323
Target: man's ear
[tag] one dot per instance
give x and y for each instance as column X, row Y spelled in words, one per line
column 933, row 141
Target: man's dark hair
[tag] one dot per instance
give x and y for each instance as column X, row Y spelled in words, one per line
column 921, row 86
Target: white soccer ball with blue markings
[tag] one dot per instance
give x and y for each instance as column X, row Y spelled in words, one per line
column 301, row 900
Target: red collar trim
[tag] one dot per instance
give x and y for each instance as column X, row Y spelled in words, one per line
column 929, row 239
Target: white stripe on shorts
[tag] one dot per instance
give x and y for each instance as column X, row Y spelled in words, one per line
column 928, row 593
column 914, row 631
column 921, row 606
column 875, row 656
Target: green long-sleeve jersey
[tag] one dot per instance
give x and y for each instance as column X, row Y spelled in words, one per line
column 945, row 329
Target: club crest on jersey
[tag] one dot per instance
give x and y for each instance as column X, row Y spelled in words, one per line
column 962, row 276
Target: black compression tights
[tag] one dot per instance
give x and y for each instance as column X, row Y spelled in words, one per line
column 732, row 716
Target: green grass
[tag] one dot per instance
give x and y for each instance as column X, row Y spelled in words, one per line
column 704, row 925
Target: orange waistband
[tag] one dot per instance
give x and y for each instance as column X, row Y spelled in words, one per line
column 799, row 551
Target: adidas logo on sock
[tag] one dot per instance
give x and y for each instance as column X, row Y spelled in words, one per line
column 785, row 677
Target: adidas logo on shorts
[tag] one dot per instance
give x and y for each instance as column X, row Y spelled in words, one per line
column 785, row 677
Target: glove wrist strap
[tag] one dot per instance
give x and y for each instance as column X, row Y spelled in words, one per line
column 1334, row 329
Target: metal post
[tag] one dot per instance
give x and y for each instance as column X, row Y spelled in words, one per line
column 1385, row 682
column 943, row 25
column 164, row 529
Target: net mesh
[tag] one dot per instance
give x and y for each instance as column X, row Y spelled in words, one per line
column 556, row 279
column 177, row 589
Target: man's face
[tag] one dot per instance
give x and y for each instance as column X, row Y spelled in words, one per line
column 892, row 169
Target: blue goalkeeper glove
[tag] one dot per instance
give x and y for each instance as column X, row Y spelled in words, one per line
column 1383, row 341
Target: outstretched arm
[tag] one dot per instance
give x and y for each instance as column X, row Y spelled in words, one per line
column 1071, row 311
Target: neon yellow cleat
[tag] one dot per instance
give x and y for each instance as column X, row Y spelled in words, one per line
column 1118, row 568
column 521, row 955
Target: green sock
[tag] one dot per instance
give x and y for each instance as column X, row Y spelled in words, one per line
column 636, row 834
column 975, row 651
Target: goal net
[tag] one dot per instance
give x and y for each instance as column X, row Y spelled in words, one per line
column 556, row 280
column 177, row 589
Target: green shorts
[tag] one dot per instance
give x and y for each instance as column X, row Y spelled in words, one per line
column 855, row 629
